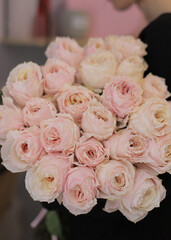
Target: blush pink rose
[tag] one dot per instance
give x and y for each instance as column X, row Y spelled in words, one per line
column 134, row 67
column 21, row 149
column 154, row 86
column 125, row 46
column 94, row 45
column 37, row 110
column 24, row 81
column 98, row 122
column 160, row 154
column 91, row 152
column 152, row 118
column 146, row 194
column 45, row 181
column 59, row 134
column 56, row 73
column 97, row 69
column 74, row 100
column 115, row 178
column 128, row 145
column 11, row 118
column 66, row 49
column 79, row 195
column 122, row 95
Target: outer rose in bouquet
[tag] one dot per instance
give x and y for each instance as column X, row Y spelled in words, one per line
column 77, row 145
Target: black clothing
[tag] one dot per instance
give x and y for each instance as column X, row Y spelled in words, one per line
column 157, row 224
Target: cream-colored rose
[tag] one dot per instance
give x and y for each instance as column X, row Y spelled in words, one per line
column 45, row 181
column 134, row 67
column 24, row 81
column 152, row 118
column 146, row 194
column 98, row 69
column 154, row 86
column 116, row 178
column 125, row 46
column 98, row 121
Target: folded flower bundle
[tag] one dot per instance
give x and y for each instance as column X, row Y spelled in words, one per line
column 88, row 125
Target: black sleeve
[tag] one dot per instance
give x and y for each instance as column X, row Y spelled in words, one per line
column 157, row 35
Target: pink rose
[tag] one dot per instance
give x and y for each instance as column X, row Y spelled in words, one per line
column 80, row 190
column 160, row 154
column 56, row 73
column 66, row 49
column 45, row 181
column 154, row 86
column 128, row 145
column 59, row 134
column 97, row 69
column 90, row 152
column 146, row 194
column 115, row 179
column 94, row 45
column 122, row 95
column 21, row 149
column 152, row 118
column 11, row 118
column 98, row 122
column 125, row 46
column 37, row 110
column 134, row 67
column 24, row 81
column 74, row 100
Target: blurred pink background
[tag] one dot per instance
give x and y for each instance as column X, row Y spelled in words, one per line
column 106, row 20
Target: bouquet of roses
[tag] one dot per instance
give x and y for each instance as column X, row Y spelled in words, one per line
column 87, row 125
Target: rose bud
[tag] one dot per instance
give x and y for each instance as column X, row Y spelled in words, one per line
column 154, row 86
column 152, row 118
column 24, row 81
column 56, row 73
column 59, row 134
column 21, row 149
column 66, row 49
column 98, row 122
column 11, row 118
column 45, row 181
column 74, row 100
column 37, row 110
column 116, row 178
column 128, row 145
column 80, row 190
column 98, row 69
column 122, row 95
column 90, row 152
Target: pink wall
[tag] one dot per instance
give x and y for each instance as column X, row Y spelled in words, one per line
column 106, row 20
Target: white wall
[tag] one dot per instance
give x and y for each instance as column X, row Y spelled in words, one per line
column 1, row 19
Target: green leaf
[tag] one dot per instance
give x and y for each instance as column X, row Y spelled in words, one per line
column 53, row 224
